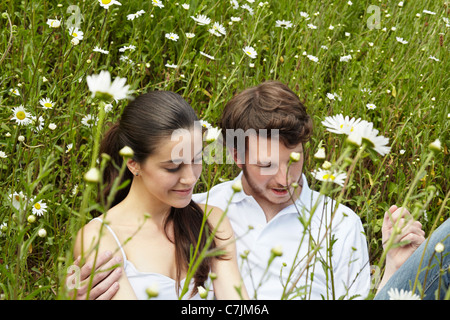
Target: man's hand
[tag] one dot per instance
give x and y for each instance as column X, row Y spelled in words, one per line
column 407, row 229
column 104, row 284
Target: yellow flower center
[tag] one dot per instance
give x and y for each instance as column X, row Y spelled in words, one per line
column 17, row 197
column 48, row 105
column 20, row 115
column 329, row 176
column 106, row 1
column 74, row 34
column 37, row 206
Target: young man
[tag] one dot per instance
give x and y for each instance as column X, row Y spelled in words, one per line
column 324, row 251
column 292, row 242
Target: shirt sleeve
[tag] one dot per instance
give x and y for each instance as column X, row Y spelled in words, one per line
column 351, row 259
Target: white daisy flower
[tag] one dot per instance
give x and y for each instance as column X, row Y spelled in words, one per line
column 17, row 199
column 107, row 3
column 283, row 24
column 248, row 8
column 15, row 91
column 3, row 155
column 101, row 84
column 330, row 96
column 312, row 58
column 125, row 48
column 126, row 59
column 364, row 132
column 97, row 49
column 157, row 3
column 39, row 208
column 235, row 19
column 189, row 35
column 3, row 228
column 89, row 121
column 217, row 29
column 135, row 15
column 174, row 66
column 185, row 6
column 340, row 125
column 429, row 12
column 205, row 124
column 433, row 58
column 46, row 103
column 345, row 58
column 76, row 33
column 172, row 36
column 108, row 107
column 370, row 106
column 304, row 15
column 327, row 175
column 212, row 134
column 235, row 4
column 401, row 40
column 131, row 16
column 395, row 294
column 53, row 23
column 201, row 19
column 250, row 51
column 38, row 123
column 311, row 26
column 207, row 55
column 21, row 116
column 69, row 147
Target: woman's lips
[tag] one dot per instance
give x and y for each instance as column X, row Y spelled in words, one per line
column 183, row 192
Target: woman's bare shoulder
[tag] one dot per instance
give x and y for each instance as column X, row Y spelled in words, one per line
column 94, row 234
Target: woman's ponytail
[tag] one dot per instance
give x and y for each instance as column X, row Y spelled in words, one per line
column 111, row 145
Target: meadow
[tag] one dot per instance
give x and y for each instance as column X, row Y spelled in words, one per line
column 385, row 62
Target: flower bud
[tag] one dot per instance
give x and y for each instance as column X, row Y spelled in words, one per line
column 277, row 251
column 126, row 152
column 435, row 145
column 152, row 291
column 439, row 247
column 42, row 233
column 295, row 156
column 202, row 292
column 31, row 218
column 237, row 186
column 326, row 165
column 93, row 175
column 320, row 154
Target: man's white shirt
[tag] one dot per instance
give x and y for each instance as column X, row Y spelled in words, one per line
column 324, row 249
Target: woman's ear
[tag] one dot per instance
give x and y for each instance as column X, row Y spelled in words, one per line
column 133, row 166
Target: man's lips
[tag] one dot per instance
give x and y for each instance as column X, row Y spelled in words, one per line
column 279, row 191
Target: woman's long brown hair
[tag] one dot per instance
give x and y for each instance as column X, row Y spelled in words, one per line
column 145, row 121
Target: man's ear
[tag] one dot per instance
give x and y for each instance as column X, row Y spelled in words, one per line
column 133, row 166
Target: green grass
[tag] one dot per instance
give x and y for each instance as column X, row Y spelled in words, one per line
column 410, row 91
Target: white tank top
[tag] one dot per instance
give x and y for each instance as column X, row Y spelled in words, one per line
column 140, row 281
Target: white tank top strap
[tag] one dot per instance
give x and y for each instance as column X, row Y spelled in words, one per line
column 116, row 238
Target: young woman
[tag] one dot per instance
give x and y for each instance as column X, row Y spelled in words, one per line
column 156, row 251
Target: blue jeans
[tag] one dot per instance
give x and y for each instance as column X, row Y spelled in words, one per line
column 434, row 270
